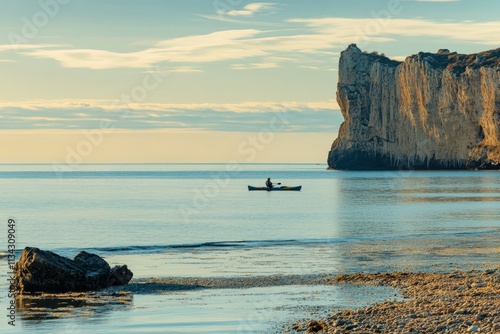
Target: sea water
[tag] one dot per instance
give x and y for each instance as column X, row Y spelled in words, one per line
column 200, row 220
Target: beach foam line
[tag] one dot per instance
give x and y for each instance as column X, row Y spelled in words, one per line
column 253, row 244
column 204, row 245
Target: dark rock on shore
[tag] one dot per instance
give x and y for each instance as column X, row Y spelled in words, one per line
column 45, row 271
column 431, row 111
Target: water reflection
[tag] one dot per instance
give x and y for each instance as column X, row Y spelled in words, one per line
column 39, row 307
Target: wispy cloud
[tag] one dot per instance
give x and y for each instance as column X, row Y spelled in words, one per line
column 78, row 107
column 18, row 47
column 181, row 69
column 399, row 58
column 318, row 37
column 217, row 46
column 317, row 68
column 354, row 29
column 88, row 114
column 254, row 66
column 241, row 20
column 251, row 9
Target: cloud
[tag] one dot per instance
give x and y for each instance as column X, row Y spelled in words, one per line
column 217, row 46
column 182, row 69
column 254, row 66
column 251, row 9
column 186, row 69
column 316, row 68
column 380, row 30
column 242, row 21
column 17, row 47
column 78, row 107
column 399, row 58
column 317, row 37
column 240, row 117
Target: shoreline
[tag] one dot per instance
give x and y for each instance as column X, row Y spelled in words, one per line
column 457, row 302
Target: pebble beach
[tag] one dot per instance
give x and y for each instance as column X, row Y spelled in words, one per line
column 457, row 302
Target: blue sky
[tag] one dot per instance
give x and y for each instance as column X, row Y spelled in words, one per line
column 212, row 66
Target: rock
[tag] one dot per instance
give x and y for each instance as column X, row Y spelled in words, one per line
column 432, row 111
column 478, row 285
column 45, row 271
column 297, row 327
column 441, row 328
column 97, row 271
column 39, row 270
column 350, row 327
column 473, row 328
column 119, row 275
column 340, row 322
column 316, row 326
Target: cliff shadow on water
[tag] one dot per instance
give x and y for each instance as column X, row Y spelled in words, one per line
column 432, row 111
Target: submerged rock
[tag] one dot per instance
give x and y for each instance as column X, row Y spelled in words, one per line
column 432, row 111
column 45, row 271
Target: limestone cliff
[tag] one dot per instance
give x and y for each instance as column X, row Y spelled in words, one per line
column 432, row 111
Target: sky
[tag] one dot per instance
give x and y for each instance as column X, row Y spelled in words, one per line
column 95, row 81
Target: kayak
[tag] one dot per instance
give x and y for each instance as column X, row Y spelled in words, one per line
column 275, row 188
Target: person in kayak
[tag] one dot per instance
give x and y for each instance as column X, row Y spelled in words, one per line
column 269, row 184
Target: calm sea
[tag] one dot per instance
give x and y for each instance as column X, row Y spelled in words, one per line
column 199, row 220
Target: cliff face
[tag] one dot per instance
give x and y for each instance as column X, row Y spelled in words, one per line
column 432, row 111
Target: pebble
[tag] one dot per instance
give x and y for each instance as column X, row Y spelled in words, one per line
column 441, row 328
column 432, row 303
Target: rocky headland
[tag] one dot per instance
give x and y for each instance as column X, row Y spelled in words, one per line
column 431, row 111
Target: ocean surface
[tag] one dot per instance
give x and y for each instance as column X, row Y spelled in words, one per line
column 199, row 220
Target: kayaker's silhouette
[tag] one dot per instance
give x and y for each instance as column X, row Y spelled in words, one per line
column 269, row 184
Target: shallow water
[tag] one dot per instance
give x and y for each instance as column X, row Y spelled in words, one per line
column 200, row 221
column 252, row 310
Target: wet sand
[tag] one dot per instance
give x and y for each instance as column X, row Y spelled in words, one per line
column 457, row 302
